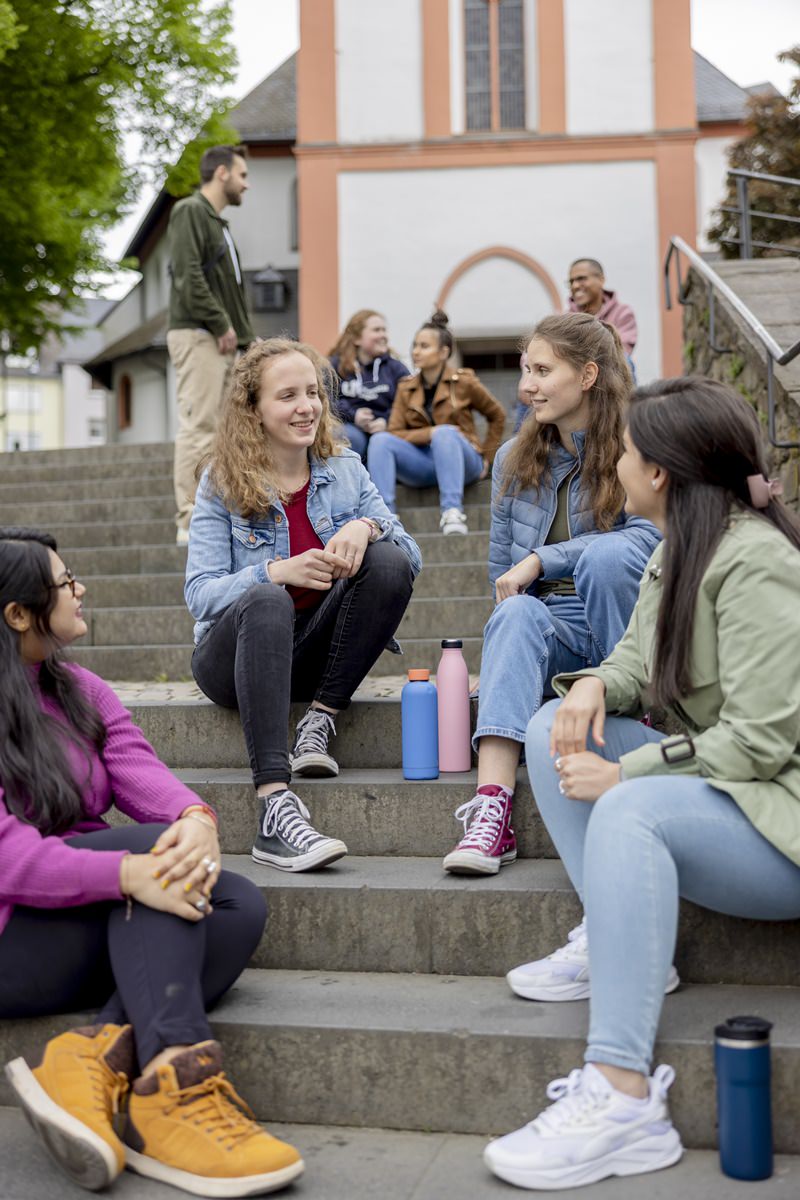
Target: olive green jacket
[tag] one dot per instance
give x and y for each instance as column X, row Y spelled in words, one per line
column 205, row 292
column 743, row 712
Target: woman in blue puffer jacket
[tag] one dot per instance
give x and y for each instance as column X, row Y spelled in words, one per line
column 564, row 560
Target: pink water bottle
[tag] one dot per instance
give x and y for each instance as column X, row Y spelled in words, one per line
column 452, row 685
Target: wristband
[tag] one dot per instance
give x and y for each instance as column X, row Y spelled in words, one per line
column 375, row 530
column 194, row 810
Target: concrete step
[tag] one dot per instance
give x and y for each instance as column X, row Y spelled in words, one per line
column 196, row 733
column 84, row 474
column 463, row 616
column 44, row 510
column 71, row 491
column 92, row 514
column 144, row 591
column 157, row 531
column 174, row 662
column 112, row 558
column 347, row 1163
column 409, row 915
column 425, row 518
column 449, row 1053
column 88, row 456
column 373, row 811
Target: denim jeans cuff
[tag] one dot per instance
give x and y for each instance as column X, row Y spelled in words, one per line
column 613, row 1058
column 513, row 735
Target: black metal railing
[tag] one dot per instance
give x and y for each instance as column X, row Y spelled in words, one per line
column 715, row 286
column 744, row 214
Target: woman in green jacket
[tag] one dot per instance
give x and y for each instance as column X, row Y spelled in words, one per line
column 641, row 819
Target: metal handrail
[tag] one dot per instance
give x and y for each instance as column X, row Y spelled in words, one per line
column 717, row 286
column 745, row 213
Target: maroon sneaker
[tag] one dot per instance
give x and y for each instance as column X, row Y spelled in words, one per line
column 488, row 842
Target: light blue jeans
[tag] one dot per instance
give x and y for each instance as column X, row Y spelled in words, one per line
column 630, row 855
column 527, row 641
column 449, row 461
column 357, row 438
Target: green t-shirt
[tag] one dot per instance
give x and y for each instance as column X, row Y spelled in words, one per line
column 559, row 532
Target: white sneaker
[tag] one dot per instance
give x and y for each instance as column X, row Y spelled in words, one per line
column 564, row 974
column 591, row 1132
column 453, row 520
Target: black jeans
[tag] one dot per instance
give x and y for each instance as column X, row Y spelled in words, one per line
column 259, row 655
column 155, row 971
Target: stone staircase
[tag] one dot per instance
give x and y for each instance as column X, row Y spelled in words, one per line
column 375, row 1001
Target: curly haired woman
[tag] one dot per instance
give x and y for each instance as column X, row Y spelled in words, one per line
column 297, row 576
column 368, row 377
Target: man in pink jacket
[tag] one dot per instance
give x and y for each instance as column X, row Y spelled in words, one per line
column 588, row 293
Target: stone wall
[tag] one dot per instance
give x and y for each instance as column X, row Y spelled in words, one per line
column 744, row 368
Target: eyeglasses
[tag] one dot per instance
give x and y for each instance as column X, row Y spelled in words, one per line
column 70, row 582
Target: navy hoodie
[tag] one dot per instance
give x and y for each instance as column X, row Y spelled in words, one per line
column 372, row 386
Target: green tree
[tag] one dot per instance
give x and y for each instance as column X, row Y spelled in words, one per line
column 771, row 146
column 76, row 78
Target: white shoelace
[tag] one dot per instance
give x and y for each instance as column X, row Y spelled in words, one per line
column 576, row 946
column 582, row 1091
column 313, row 732
column 287, row 815
column 485, row 812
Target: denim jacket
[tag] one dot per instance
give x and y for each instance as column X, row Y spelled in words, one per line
column 521, row 521
column 228, row 553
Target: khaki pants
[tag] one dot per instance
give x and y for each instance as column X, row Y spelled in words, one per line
column 201, row 376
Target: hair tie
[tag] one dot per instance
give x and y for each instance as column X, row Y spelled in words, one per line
column 762, row 490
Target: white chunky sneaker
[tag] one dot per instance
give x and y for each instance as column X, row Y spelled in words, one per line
column 453, row 520
column 310, row 751
column 564, row 974
column 592, row 1131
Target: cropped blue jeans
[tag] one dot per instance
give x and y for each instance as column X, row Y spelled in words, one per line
column 630, row 855
column 527, row 640
column 449, row 461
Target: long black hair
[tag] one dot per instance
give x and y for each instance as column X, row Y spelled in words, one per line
column 708, row 438
column 38, row 783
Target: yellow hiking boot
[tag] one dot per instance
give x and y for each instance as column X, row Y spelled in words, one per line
column 71, row 1098
column 187, row 1126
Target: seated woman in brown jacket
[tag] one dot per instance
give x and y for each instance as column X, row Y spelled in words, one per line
column 431, row 439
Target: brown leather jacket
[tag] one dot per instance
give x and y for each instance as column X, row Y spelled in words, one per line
column 459, row 392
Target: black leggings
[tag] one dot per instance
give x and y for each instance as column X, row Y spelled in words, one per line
column 257, row 656
column 155, row 971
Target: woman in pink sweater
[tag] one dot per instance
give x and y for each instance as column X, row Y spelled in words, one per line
column 137, row 920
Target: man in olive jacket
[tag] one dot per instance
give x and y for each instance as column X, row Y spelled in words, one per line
column 207, row 313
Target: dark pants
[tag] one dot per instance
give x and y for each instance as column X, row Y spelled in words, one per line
column 155, row 971
column 260, row 655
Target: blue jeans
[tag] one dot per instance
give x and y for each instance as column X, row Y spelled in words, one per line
column 357, row 438
column 449, row 461
column 630, row 855
column 527, row 641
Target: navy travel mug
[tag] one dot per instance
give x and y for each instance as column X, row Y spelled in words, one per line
column 742, row 1065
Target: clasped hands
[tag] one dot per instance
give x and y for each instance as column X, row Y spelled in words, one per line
column 179, row 873
column 583, row 774
column 365, row 419
column 341, row 558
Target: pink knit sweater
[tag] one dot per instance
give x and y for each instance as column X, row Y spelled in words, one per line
column 46, row 872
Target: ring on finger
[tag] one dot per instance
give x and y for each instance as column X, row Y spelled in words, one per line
column 559, row 764
column 201, row 905
column 210, row 866
column 561, row 787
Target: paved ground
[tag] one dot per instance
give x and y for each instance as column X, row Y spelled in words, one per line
column 367, row 1164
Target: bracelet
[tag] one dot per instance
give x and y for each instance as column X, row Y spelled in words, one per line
column 195, row 816
column 375, row 530
column 200, row 807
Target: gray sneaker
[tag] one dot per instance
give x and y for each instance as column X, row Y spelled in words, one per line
column 286, row 840
column 310, row 751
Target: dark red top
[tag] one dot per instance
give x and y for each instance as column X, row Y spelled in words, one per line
column 302, row 537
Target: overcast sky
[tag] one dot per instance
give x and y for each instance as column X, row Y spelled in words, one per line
column 741, row 37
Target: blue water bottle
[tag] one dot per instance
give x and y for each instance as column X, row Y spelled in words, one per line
column 741, row 1062
column 420, row 721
